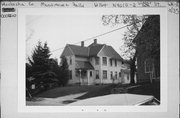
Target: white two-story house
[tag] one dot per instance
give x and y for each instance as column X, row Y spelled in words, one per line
column 95, row 64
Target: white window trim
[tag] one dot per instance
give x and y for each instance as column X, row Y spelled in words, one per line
column 106, row 74
column 97, row 58
column 103, row 61
column 145, row 66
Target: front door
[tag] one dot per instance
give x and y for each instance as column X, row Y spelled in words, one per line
column 125, row 78
column 90, row 77
column 84, row 77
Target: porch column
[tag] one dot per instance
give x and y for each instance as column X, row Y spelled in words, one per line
column 101, row 76
column 88, row 72
column 80, row 77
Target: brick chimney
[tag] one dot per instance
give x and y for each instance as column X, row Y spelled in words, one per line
column 82, row 43
column 95, row 41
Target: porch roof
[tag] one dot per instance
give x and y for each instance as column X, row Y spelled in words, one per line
column 83, row 65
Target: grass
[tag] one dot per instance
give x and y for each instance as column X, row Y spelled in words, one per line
column 147, row 89
column 63, row 91
column 100, row 90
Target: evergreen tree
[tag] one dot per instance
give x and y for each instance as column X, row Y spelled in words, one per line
column 64, row 71
column 55, row 67
column 39, row 65
column 28, row 74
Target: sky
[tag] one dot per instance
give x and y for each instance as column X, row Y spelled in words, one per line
column 59, row 30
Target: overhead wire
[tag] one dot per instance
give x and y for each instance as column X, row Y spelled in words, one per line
column 94, row 37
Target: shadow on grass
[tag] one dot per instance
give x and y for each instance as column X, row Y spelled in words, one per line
column 100, row 90
column 147, row 89
column 103, row 90
column 69, row 90
column 69, row 101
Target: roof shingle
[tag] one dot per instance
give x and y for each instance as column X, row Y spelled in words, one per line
column 79, row 50
column 83, row 65
column 93, row 50
column 110, row 52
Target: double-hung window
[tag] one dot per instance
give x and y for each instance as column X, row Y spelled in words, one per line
column 148, row 65
column 111, row 75
column 104, row 61
column 97, row 60
column 104, row 74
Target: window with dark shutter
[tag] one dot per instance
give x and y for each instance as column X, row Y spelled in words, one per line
column 90, row 73
column 111, row 75
column 115, row 62
column 119, row 74
column 110, row 62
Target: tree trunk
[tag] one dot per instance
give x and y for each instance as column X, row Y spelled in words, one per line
column 132, row 69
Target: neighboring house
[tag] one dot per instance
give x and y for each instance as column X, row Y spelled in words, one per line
column 95, row 64
column 148, row 50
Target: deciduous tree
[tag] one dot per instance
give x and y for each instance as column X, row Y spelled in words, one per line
column 133, row 23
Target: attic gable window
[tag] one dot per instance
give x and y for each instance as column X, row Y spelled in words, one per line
column 104, row 60
column 97, row 60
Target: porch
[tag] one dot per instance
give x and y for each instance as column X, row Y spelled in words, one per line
column 84, row 72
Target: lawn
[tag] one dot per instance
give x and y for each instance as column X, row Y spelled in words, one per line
column 100, row 90
column 92, row 91
column 147, row 89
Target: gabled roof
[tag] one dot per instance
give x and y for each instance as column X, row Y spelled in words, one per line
column 93, row 50
column 110, row 52
column 83, row 65
column 79, row 50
